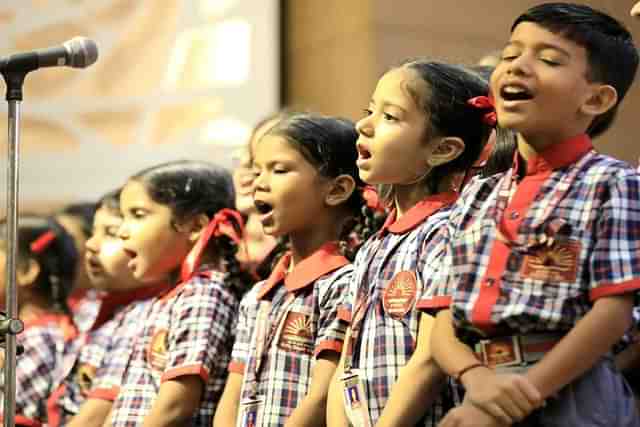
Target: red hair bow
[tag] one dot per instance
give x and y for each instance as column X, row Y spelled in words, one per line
column 485, row 103
column 42, row 242
column 222, row 224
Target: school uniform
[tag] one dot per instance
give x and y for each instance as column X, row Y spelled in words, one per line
column 38, row 368
column 285, row 322
column 527, row 258
column 84, row 305
column 187, row 331
column 96, row 361
column 381, row 303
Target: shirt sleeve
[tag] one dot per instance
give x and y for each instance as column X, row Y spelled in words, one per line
column 202, row 320
column 435, row 272
column 331, row 328
column 36, row 372
column 615, row 260
column 246, row 323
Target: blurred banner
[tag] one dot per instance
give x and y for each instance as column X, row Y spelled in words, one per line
column 175, row 79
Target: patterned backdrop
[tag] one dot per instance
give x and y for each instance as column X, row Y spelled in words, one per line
column 174, row 79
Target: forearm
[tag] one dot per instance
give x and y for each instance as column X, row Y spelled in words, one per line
column 227, row 411
column 418, row 384
column 560, row 366
column 449, row 352
column 336, row 416
column 176, row 402
column 93, row 413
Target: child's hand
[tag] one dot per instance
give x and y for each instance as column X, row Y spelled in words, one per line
column 507, row 397
column 635, row 11
column 468, row 415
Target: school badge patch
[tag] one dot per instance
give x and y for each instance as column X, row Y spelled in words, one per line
column 157, row 350
column 555, row 263
column 296, row 334
column 84, row 377
column 400, row 294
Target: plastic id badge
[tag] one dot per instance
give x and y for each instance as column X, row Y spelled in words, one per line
column 249, row 411
column 355, row 401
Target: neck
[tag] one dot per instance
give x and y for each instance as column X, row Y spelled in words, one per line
column 33, row 309
column 408, row 196
column 529, row 146
column 304, row 244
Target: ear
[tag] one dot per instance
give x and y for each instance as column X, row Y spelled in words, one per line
column 340, row 189
column 27, row 274
column 197, row 226
column 602, row 99
column 448, row 148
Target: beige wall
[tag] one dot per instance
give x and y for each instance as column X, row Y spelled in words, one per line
column 335, row 50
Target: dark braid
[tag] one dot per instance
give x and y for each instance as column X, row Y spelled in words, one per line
column 359, row 228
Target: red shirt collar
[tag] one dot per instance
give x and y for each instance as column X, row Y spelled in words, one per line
column 557, row 156
column 417, row 214
column 113, row 301
column 323, row 261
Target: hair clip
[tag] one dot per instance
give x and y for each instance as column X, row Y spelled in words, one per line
column 372, row 199
column 485, row 103
column 42, row 242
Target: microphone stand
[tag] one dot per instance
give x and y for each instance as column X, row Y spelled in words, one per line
column 10, row 325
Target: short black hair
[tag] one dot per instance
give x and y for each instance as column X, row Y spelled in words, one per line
column 611, row 54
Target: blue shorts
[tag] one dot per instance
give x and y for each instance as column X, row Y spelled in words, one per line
column 601, row 397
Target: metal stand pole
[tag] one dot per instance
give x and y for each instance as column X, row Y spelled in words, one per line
column 14, row 81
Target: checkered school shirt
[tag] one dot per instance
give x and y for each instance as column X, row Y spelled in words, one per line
column 572, row 227
column 85, row 307
column 38, row 368
column 188, row 331
column 302, row 322
column 98, row 358
column 386, row 328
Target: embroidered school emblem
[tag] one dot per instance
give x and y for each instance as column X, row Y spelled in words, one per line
column 84, row 377
column 400, row 294
column 157, row 350
column 555, row 263
column 296, row 333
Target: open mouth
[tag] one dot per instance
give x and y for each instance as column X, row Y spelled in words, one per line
column 263, row 207
column 363, row 153
column 93, row 265
column 515, row 93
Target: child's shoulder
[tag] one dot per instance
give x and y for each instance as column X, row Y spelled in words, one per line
column 602, row 167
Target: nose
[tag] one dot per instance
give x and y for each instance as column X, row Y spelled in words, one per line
column 92, row 244
column 123, row 231
column 519, row 66
column 365, row 126
column 260, row 182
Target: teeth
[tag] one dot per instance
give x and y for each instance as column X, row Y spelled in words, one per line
column 514, row 89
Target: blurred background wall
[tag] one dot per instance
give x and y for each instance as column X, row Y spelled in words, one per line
column 188, row 78
column 335, row 50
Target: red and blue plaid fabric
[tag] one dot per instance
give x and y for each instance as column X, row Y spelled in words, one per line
column 303, row 314
column 39, row 367
column 188, row 331
column 578, row 239
column 385, row 341
column 85, row 306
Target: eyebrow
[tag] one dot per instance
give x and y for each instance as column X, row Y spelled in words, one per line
column 540, row 46
column 388, row 104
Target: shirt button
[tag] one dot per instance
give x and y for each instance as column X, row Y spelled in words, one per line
column 514, row 215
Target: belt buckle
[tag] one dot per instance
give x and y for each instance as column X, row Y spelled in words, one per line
column 501, row 352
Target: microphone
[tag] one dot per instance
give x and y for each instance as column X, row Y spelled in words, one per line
column 79, row 52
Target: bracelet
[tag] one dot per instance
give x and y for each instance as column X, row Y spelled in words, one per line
column 463, row 371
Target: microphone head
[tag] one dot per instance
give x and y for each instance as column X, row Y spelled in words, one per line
column 82, row 52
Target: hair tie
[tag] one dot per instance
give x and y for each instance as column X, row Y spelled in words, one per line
column 372, row 199
column 222, row 224
column 42, row 242
column 485, row 103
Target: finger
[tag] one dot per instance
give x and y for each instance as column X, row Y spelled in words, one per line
column 497, row 412
column 636, row 9
column 529, row 392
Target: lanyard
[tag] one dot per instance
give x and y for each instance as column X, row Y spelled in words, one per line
column 265, row 334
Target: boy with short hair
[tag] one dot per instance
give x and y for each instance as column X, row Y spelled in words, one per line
column 543, row 260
